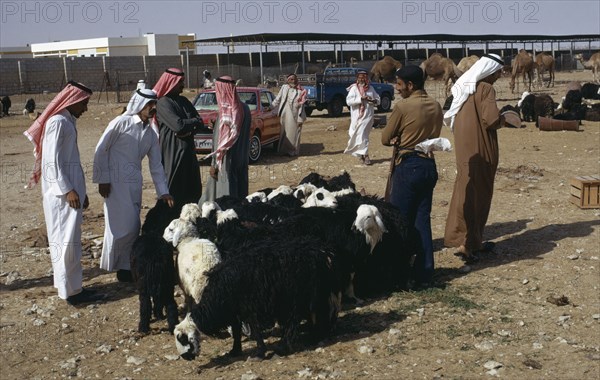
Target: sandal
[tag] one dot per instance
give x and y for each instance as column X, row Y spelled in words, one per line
column 367, row 160
column 488, row 246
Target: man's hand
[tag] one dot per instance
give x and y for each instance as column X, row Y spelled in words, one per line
column 104, row 189
column 73, row 199
column 214, row 172
column 86, row 202
column 168, row 199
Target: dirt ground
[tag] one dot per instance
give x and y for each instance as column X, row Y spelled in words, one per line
column 504, row 316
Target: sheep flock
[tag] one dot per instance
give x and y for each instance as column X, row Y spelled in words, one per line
column 280, row 262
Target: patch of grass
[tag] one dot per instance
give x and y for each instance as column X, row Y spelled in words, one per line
column 466, row 347
column 452, row 332
column 476, row 332
column 450, row 297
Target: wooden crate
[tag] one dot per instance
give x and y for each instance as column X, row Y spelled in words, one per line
column 585, row 191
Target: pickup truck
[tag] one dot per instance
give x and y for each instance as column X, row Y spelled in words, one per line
column 328, row 90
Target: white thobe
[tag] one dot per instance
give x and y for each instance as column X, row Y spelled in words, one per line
column 292, row 115
column 118, row 161
column 360, row 127
column 61, row 173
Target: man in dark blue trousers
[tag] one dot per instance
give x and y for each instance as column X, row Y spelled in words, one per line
column 415, row 118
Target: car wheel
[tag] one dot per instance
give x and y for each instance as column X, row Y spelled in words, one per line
column 255, row 148
column 308, row 111
column 385, row 103
column 336, row 107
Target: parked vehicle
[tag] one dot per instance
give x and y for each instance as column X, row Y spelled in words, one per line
column 264, row 128
column 328, row 90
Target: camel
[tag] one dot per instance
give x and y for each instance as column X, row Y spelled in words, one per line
column 466, row 63
column 384, row 69
column 593, row 63
column 521, row 64
column 545, row 62
column 438, row 67
column 317, row 68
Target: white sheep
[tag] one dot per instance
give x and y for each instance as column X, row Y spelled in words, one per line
column 208, row 207
column 304, row 190
column 187, row 338
column 370, row 222
column 195, row 256
column 283, row 189
column 258, row 196
column 325, row 198
column 190, row 212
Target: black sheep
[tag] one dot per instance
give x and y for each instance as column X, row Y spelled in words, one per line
column 527, row 108
column 286, row 282
column 30, row 105
column 389, row 267
column 6, row 103
column 590, row 91
column 534, row 106
column 572, row 106
column 153, row 268
column 153, row 271
column 315, row 179
column 592, row 113
column 543, row 106
column 340, row 182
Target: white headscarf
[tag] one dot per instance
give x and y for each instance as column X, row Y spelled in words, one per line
column 138, row 101
column 467, row 83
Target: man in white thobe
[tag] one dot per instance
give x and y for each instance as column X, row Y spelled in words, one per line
column 292, row 115
column 118, row 173
column 58, row 166
column 362, row 99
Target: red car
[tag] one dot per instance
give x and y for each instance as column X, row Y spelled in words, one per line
column 265, row 126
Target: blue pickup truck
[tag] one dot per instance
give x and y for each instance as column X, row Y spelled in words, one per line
column 328, row 90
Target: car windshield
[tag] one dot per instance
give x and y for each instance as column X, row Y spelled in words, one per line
column 207, row 101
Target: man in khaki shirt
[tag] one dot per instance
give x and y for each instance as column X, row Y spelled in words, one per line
column 415, row 118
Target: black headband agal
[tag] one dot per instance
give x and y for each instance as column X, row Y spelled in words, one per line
column 79, row 86
column 494, row 59
column 140, row 93
column 225, row 80
column 179, row 74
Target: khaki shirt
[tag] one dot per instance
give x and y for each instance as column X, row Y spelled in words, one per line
column 414, row 119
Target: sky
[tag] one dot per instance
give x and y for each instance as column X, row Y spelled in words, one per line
column 26, row 22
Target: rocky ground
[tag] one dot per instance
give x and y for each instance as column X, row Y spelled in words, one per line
column 529, row 310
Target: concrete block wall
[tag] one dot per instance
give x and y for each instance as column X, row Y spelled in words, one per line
column 9, row 76
column 48, row 74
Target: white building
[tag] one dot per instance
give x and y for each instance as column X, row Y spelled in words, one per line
column 149, row 44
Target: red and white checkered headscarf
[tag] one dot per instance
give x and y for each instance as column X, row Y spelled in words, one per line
column 73, row 93
column 302, row 91
column 167, row 81
column 231, row 117
column 361, row 89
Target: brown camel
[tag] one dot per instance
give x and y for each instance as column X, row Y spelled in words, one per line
column 384, row 69
column 544, row 62
column 440, row 68
column 521, row 64
column 466, row 63
column 315, row 67
column 593, row 63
